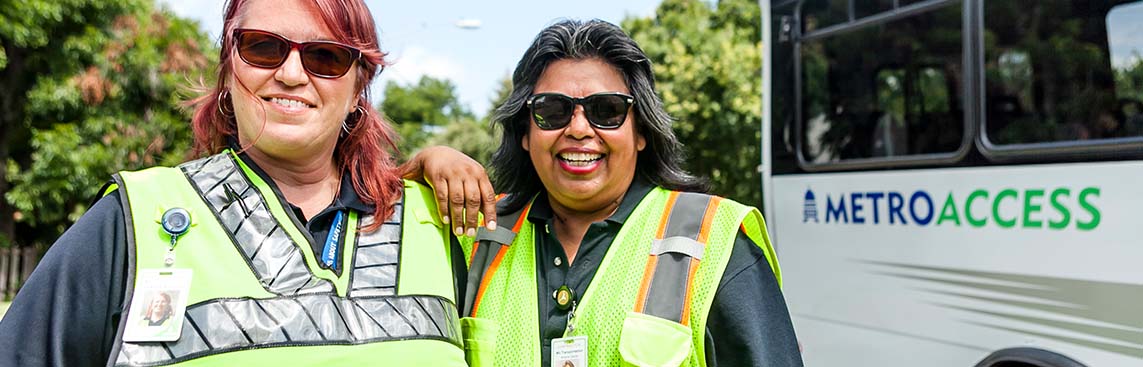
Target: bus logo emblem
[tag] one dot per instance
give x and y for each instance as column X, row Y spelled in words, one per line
column 810, row 208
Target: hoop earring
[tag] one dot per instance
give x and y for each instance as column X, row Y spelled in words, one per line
column 357, row 114
column 221, row 97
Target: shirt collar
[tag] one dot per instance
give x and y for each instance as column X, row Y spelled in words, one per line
column 347, row 197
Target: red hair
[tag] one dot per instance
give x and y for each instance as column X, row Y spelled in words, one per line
column 363, row 150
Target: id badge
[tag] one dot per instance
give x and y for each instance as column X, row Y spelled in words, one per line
column 158, row 305
column 569, row 352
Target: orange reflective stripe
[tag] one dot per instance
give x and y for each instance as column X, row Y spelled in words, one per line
column 522, row 218
column 683, row 224
column 666, row 214
column 472, row 257
column 487, row 278
column 641, row 299
column 707, row 219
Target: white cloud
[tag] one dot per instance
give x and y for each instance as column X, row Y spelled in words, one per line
column 408, row 65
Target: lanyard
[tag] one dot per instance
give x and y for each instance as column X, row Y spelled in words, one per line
column 330, row 250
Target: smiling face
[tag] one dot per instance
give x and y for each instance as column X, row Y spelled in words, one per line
column 584, row 169
column 160, row 307
column 286, row 112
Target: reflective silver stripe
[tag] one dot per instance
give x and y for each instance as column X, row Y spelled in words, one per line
column 682, row 245
column 488, row 245
column 226, row 325
column 274, row 257
column 376, row 257
column 686, row 216
column 674, row 253
column 502, row 235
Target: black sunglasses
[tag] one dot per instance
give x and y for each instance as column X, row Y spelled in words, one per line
column 553, row 111
column 323, row 59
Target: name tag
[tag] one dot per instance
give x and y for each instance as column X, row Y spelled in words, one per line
column 569, row 352
column 158, row 305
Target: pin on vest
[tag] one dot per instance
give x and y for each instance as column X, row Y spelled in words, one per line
column 176, row 222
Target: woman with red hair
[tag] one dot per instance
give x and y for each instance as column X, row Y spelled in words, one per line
column 293, row 241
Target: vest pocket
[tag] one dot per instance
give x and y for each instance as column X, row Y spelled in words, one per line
column 479, row 340
column 649, row 341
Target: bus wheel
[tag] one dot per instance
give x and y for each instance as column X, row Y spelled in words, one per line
column 1027, row 357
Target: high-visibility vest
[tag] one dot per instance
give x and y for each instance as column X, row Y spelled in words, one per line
column 648, row 302
column 258, row 296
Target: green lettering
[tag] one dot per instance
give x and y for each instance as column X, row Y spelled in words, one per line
column 1030, row 208
column 1004, row 223
column 968, row 208
column 1094, row 222
column 949, row 212
column 1064, row 212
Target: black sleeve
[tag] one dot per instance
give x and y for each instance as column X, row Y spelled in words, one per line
column 748, row 324
column 67, row 313
column 459, row 271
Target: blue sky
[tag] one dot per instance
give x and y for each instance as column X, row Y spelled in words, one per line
column 1124, row 26
column 423, row 39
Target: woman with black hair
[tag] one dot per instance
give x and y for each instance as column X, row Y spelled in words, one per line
column 609, row 252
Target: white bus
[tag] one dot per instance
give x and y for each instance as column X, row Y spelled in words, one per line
column 957, row 182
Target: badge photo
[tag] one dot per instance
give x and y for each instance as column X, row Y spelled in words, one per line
column 158, row 306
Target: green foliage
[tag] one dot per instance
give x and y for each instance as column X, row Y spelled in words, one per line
column 421, row 110
column 476, row 138
column 429, row 113
column 1129, row 80
column 33, row 23
column 708, row 65
column 468, row 136
column 503, row 91
column 112, row 103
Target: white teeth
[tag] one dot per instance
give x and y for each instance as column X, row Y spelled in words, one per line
column 580, row 158
column 289, row 103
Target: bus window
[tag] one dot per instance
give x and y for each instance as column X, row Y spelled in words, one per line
column 1124, row 25
column 818, row 14
column 888, row 89
column 865, row 8
column 1058, row 71
column 901, row 96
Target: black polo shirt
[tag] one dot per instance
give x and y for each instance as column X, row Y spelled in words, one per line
column 67, row 313
column 748, row 324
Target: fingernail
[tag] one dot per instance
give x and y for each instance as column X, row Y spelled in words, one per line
column 491, row 225
column 458, row 231
column 444, row 219
column 471, row 232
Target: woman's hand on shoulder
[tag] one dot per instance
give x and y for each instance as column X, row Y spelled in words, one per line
column 460, row 185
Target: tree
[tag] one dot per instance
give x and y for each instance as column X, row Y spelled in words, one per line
column 708, row 64
column 99, row 94
column 33, row 36
column 421, row 110
column 476, row 138
column 1129, row 80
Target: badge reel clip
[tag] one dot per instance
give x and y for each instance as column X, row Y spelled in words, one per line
column 175, row 222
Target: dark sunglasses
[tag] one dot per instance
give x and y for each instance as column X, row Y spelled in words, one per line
column 603, row 110
column 323, row 59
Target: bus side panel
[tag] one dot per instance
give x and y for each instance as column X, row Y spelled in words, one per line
column 939, row 267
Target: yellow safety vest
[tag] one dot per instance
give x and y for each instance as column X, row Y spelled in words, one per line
column 653, row 322
column 258, row 296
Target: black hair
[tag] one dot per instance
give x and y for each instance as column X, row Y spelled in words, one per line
column 660, row 162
